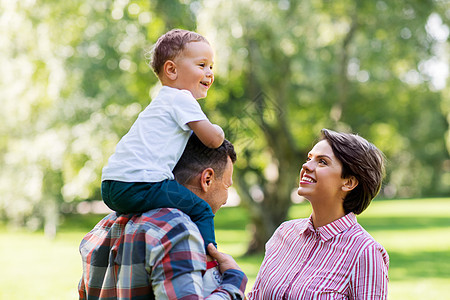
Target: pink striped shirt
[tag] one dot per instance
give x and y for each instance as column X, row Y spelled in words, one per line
column 337, row 261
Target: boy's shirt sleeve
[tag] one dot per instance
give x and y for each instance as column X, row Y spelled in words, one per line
column 187, row 109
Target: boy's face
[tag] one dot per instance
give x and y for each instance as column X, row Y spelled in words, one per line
column 194, row 69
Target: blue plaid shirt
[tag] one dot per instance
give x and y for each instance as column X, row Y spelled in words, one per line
column 158, row 254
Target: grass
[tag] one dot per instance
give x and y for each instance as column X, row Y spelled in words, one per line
column 414, row 232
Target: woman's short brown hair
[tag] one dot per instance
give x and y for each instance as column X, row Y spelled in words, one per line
column 362, row 160
column 170, row 45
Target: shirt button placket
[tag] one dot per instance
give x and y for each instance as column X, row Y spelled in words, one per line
column 302, row 265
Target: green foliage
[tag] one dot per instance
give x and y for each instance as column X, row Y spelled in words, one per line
column 79, row 80
column 75, row 77
column 345, row 65
column 289, row 68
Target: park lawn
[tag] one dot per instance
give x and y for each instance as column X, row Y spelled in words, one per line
column 414, row 232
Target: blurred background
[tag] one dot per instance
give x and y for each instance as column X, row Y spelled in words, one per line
column 74, row 76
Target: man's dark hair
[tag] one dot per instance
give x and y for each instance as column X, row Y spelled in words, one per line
column 360, row 159
column 197, row 157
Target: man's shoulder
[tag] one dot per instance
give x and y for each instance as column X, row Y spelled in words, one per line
column 155, row 224
column 160, row 217
column 163, row 220
column 168, row 215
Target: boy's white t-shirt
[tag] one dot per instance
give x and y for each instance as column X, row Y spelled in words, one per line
column 156, row 141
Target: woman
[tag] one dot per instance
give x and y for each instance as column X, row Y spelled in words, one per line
column 329, row 255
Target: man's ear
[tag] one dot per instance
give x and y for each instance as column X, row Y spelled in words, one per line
column 206, row 179
column 170, row 70
column 349, row 184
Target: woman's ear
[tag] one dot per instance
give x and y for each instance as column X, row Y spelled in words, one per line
column 170, row 70
column 349, row 183
column 206, row 179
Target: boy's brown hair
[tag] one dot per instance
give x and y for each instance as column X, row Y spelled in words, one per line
column 170, row 45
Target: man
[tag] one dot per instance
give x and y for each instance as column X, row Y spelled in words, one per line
column 159, row 254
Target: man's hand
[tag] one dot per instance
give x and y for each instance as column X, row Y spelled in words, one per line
column 225, row 261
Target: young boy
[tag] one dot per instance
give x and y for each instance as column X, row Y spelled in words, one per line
column 139, row 176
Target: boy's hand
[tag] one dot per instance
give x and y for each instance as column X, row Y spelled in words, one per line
column 225, row 261
column 211, row 135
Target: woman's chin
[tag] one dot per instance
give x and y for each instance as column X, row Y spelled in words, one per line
column 301, row 192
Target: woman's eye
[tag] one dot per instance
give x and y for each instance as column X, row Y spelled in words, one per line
column 322, row 161
column 202, row 65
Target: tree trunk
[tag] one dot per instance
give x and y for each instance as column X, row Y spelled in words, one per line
column 270, row 115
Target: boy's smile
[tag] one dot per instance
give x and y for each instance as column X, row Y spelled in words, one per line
column 194, row 69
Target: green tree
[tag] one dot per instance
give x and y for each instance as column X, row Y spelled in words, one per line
column 75, row 79
column 292, row 67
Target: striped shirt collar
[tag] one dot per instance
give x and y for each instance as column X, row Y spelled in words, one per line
column 332, row 229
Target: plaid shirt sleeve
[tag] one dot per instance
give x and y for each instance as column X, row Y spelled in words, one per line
column 157, row 254
column 178, row 261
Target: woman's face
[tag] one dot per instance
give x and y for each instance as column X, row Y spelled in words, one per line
column 320, row 176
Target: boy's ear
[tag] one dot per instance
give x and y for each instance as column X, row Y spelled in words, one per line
column 170, row 70
column 349, row 183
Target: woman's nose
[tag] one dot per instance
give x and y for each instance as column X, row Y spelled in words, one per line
column 307, row 166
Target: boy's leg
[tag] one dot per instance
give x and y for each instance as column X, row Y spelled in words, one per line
column 126, row 197
column 106, row 191
column 177, row 196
